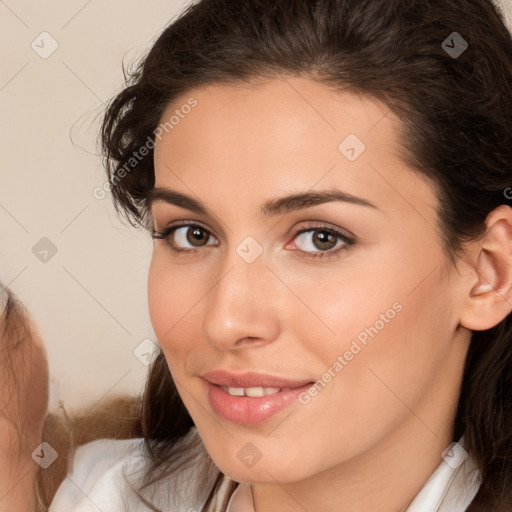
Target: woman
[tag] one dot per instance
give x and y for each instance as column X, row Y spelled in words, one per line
column 327, row 186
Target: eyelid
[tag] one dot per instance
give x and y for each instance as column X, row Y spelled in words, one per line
column 318, row 224
column 321, row 224
column 165, row 213
column 171, row 228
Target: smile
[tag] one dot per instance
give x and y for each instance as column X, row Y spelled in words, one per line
column 250, row 398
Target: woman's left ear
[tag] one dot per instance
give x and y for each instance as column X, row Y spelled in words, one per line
column 489, row 295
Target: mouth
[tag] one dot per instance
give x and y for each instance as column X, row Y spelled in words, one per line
column 251, row 398
column 253, row 392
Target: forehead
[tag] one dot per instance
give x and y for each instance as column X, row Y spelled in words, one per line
column 288, row 134
column 274, row 112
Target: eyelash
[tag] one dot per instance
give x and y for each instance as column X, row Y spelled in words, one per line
column 349, row 242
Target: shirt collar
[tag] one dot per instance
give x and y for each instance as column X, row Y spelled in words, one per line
column 450, row 488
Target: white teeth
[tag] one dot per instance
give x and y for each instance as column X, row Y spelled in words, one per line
column 236, row 391
column 252, row 392
column 272, row 391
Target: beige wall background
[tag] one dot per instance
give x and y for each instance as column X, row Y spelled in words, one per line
column 87, row 292
column 79, row 270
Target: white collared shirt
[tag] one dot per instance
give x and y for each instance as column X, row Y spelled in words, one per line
column 101, row 480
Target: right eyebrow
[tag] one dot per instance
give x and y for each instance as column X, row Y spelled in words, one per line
column 166, row 195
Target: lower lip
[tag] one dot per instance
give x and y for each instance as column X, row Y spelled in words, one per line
column 246, row 410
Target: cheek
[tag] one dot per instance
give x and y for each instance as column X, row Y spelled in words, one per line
column 393, row 348
column 174, row 296
column 166, row 300
column 381, row 379
column 159, row 301
column 391, row 325
column 342, row 305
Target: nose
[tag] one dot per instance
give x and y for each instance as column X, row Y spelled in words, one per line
column 239, row 310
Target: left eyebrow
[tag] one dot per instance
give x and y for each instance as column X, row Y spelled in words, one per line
column 303, row 200
column 270, row 208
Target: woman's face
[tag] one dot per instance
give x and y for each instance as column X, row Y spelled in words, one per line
column 370, row 315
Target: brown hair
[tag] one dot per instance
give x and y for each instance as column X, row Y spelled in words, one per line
column 456, row 114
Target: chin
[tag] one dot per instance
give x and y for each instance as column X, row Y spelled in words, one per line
column 260, row 473
column 247, row 464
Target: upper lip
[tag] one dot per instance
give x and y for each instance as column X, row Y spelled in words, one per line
column 250, row 380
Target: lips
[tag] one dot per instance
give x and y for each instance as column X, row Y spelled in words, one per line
column 251, row 380
column 250, row 398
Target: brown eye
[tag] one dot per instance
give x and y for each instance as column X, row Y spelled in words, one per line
column 185, row 237
column 324, row 240
column 196, row 235
column 320, row 239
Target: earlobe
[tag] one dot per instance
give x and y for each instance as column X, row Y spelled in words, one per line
column 489, row 299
